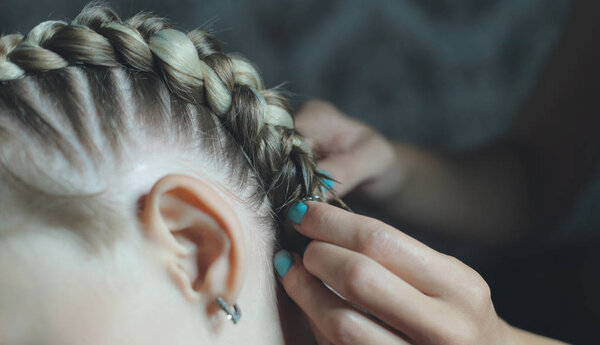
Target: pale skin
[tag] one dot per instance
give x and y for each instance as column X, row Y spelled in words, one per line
column 524, row 182
column 479, row 198
column 419, row 295
column 158, row 286
column 519, row 186
column 190, row 242
column 159, row 283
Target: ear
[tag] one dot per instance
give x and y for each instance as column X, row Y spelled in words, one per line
column 200, row 236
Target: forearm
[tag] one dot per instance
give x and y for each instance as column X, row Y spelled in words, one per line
column 550, row 153
column 480, row 197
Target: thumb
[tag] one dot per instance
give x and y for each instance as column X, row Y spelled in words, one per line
column 345, row 169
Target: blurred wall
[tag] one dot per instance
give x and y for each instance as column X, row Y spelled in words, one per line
column 440, row 73
column 447, row 74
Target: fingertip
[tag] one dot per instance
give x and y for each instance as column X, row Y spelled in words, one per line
column 335, row 177
column 312, row 213
column 297, row 211
column 327, row 181
column 283, row 261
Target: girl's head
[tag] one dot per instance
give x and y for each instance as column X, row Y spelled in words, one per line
column 143, row 174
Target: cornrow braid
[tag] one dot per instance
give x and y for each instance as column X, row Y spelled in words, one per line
column 196, row 71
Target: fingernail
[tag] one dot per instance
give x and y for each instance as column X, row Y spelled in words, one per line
column 283, row 260
column 327, row 182
column 297, row 212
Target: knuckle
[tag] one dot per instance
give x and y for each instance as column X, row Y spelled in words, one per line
column 344, row 327
column 457, row 269
column 356, row 276
column 454, row 263
column 473, row 289
column 374, row 239
column 480, row 293
column 312, row 254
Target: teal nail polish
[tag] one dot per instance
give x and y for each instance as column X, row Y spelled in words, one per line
column 327, row 182
column 297, row 212
column 283, row 260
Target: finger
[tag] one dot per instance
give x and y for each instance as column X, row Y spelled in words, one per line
column 327, row 130
column 320, row 122
column 348, row 169
column 319, row 336
column 339, row 322
column 345, row 147
column 424, row 268
column 371, row 286
column 352, row 167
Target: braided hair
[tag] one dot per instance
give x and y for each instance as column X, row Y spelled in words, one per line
column 208, row 91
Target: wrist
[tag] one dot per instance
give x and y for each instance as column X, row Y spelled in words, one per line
column 508, row 334
column 516, row 336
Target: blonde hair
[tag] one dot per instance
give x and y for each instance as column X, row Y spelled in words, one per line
column 61, row 77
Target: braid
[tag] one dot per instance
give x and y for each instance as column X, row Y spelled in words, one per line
column 195, row 70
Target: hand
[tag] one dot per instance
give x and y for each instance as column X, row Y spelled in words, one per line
column 353, row 153
column 412, row 293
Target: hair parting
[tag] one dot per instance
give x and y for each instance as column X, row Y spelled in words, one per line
column 181, row 85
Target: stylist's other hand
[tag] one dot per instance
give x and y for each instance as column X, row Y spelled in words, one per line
column 354, row 153
column 416, row 294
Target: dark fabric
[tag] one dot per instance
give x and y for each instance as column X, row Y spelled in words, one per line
column 440, row 73
column 550, row 288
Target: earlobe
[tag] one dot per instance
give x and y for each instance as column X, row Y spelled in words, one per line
column 200, row 236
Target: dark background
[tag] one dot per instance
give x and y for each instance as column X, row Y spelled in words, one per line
column 448, row 75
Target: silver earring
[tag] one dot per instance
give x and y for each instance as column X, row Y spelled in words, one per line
column 234, row 314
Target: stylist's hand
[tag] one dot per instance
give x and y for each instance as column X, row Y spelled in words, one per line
column 419, row 295
column 355, row 154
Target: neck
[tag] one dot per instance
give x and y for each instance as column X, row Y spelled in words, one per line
column 269, row 317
